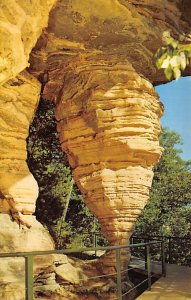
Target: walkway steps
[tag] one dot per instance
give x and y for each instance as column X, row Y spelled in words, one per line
column 175, row 286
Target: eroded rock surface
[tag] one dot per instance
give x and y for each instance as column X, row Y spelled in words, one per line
column 19, row 99
column 95, row 62
column 21, row 23
column 109, row 125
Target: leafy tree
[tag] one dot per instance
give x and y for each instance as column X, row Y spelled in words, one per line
column 60, row 205
column 168, row 211
column 174, row 56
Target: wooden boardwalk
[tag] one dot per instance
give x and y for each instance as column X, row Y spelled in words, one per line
column 175, row 286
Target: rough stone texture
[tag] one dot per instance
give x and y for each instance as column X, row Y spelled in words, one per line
column 19, row 230
column 109, row 127
column 111, row 136
column 21, row 23
column 97, row 70
column 19, row 190
column 130, row 29
column 95, row 61
column 18, row 238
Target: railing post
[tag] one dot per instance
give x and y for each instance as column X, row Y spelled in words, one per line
column 163, row 258
column 118, row 268
column 95, row 242
column 145, row 252
column 29, row 277
column 148, row 266
column 169, row 250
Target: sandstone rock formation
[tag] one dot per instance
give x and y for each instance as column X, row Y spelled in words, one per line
column 20, row 26
column 97, row 71
column 109, row 126
column 21, row 23
column 95, row 62
column 19, row 230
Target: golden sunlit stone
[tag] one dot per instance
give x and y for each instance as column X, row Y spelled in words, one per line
column 95, row 61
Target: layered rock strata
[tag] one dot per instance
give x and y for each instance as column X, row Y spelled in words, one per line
column 108, row 121
column 108, row 114
column 21, row 23
column 20, row 26
column 19, row 99
column 19, row 230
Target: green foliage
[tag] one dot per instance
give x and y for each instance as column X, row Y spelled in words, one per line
column 168, row 211
column 49, row 165
column 174, row 56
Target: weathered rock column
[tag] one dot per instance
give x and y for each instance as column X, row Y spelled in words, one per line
column 18, row 188
column 109, row 126
column 19, row 230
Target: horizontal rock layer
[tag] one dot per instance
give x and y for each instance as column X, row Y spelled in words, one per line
column 132, row 30
column 21, row 23
column 19, row 230
column 109, row 126
column 19, row 99
column 108, row 114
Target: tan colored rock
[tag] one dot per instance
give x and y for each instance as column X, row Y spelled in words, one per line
column 95, row 62
column 21, row 23
column 127, row 29
column 19, row 230
column 19, row 238
column 19, row 99
column 68, row 273
column 109, row 127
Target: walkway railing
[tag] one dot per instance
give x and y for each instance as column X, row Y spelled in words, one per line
column 178, row 249
column 29, row 261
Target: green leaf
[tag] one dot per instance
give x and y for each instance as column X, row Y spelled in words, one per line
column 166, row 63
column 167, row 39
column 183, row 61
column 168, row 73
column 160, row 60
column 188, row 53
column 174, row 44
column 177, row 73
column 175, row 61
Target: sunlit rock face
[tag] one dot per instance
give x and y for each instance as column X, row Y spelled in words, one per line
column 95, row 61
column 21, row 23
column 19, row 99
column 19, row 230
column 98, row 69
column 109, row 126
column 108, row 121
column 128, row 29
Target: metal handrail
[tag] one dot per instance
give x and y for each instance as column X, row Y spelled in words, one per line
column 29, row 261
column 169, row 240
